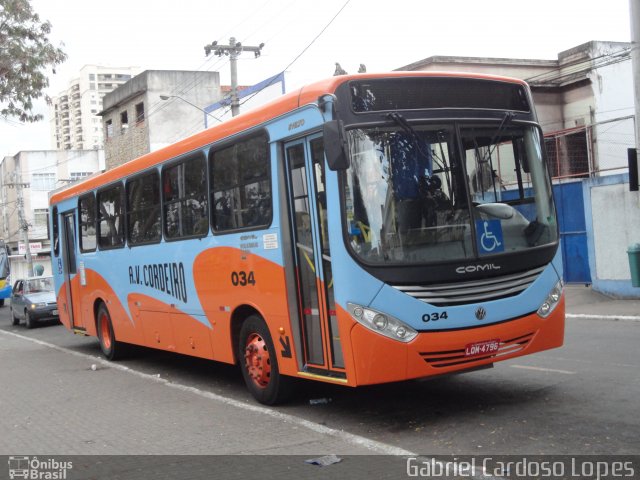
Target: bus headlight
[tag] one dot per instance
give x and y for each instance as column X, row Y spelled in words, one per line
column 382, row 323
column 552, row 300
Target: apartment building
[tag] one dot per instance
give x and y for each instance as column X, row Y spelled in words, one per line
column 73, row 113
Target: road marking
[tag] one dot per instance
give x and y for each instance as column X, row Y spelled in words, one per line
column 367, row 443
column 540, row 369
column 589, row 316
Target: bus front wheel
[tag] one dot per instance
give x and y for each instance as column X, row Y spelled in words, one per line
column 111, row 348
column 259, row 365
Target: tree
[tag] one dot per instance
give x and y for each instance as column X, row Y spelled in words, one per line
column 25, row 56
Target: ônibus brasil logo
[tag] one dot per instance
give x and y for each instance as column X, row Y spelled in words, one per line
column 35, row 469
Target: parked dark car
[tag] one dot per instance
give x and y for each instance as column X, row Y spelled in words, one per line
column 32, row 300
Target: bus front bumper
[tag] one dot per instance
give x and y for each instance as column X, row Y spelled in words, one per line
column 378, row 359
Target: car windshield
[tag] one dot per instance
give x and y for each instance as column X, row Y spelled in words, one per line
column 42, row 284
column 432, row 193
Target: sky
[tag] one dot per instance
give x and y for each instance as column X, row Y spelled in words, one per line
column 382, row 34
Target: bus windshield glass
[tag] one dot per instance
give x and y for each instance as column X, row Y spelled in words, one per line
column 435, row 193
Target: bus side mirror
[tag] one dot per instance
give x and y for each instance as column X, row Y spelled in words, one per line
column 335, row 146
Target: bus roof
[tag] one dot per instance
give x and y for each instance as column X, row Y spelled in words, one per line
column 286, row 103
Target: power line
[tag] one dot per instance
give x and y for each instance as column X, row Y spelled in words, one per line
column 302, row 52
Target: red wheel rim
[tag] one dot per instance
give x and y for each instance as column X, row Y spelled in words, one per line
column 105, row 332
column 257, row 361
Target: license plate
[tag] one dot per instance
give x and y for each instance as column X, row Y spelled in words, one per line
column 486, row 347
column 55, row 312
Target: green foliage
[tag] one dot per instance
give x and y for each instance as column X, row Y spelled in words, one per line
column 25, row 55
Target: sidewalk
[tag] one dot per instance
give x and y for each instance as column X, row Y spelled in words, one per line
column 100, row 408
column 583, row 302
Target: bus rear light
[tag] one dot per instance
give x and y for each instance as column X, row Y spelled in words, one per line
column 551, row 301
column 382, row 323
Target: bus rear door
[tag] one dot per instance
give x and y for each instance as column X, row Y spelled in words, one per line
column 70, row 271
column 321, row 348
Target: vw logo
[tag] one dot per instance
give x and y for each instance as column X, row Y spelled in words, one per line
column 481, row 313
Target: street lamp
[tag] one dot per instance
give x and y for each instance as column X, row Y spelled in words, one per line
column 167, row 97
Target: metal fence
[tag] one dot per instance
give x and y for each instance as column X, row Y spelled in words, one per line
column 587, row 151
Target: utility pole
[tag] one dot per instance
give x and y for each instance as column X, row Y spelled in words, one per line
column 233, row 51
column 23, row 225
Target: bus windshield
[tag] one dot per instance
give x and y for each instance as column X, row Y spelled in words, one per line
column 427, row 193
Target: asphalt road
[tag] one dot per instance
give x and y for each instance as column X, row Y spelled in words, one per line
column 583, row 398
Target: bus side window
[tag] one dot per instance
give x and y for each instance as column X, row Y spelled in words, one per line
column 143, row 209
column 186, row 212
column 241, row 185
column 87, row 223
column 110, row 217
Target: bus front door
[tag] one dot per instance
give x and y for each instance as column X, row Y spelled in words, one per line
column 70, row 270
column 322, row 351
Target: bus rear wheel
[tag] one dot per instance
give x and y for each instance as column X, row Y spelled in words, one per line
column 259, row 365
column 111, row 348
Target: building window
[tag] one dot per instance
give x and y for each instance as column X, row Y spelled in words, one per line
column 40, row 218
column 124, row 122
column 139, row 112
column 75, row 176
column 110, row 217
column 92, row 76
column 43, row 181
column 88, row 223
column 241, row 185
column 109, row 128
column 143, row 209
column 184, row 188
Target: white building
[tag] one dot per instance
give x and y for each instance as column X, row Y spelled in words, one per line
column 73, row 113
column 32, row 175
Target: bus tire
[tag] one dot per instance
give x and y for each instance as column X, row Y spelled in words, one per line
column 1, row 302
column 111, row 348
column 259, row 364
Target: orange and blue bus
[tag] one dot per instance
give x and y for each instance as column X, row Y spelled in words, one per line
column 363, row 229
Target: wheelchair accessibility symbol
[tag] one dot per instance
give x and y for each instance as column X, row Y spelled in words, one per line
column 489, row 236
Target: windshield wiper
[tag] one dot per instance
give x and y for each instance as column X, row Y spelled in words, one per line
column 508, row 116
column 402, row 122
column 488, row 155
column 441, row 162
